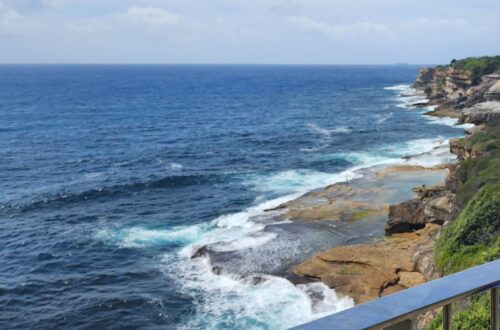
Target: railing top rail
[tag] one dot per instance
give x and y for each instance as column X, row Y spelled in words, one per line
column 411, row 302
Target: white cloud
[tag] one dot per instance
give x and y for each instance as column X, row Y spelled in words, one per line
column 152, row 17
column 338, row 31
column 12, row 22
column 286, row 7
column 438, row 23
column 87, row 27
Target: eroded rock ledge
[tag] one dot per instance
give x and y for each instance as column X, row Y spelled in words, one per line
column 368, row 271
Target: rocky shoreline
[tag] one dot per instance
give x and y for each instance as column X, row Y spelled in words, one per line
column 405, row 257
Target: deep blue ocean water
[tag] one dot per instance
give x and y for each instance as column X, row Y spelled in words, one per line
column 109, row 173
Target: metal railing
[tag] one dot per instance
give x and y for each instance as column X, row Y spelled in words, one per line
column 401, row 309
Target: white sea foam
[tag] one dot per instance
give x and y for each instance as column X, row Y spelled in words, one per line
column 290, row 181
column 254, row 240
column 401, row 87
column 325, row 136
column 91, row 176
column 225, row 301
column 328, row 132
column 447, row 121
column 424, row 152
column 143, row 237
column 382, row 118
column 408, row 102
column 408, row 96
column 175, row 166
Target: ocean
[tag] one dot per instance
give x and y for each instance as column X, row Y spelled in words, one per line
column 112, row 176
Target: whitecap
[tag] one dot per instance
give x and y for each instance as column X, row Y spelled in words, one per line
column 295, row 181
column 140, row 237
column 326, row 136
column 400, row 87
column 175, row 166
column 382, row 118
column 91, row 176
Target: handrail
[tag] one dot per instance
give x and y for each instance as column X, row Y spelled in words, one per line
column 410, row 303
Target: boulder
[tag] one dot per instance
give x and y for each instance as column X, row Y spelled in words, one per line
column 406, row 217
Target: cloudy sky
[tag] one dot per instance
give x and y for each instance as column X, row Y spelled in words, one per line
column 250, row 31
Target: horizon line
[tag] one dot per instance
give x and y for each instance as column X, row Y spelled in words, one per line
column 220, row 64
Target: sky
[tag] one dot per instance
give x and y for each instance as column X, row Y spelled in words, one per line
column 247, row 32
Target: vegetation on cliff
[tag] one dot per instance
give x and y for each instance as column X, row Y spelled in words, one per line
column 481, row 171
column 488, row 141
column 473, row 237
column 477, row 66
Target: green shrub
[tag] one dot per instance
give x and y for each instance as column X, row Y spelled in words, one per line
column 473, row 238
column 475, row 173
column 475, row 317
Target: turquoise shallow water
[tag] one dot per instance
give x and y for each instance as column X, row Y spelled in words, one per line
column 111, row 175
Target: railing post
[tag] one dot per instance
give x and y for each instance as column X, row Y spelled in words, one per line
column 447, row 317
column 494, row 309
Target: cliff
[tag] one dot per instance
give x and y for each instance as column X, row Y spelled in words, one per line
column 471, row 236
column 447, row 227
column 462, row 84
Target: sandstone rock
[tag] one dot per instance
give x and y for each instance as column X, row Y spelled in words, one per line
column 424, row 78
column 367, row 271
column 409, row 279
column 438, row 209
column 424, row 257
column 405, row 217
column 482, row 113
column 336, row 202
column 462, row 151
column 425, row 192
column 493, row 93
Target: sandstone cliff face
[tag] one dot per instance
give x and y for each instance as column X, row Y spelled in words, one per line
column 453, row 90
column 432, row 205
column 481, row 113
column 443, row 84
column 462, row 151
column 493, row 93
